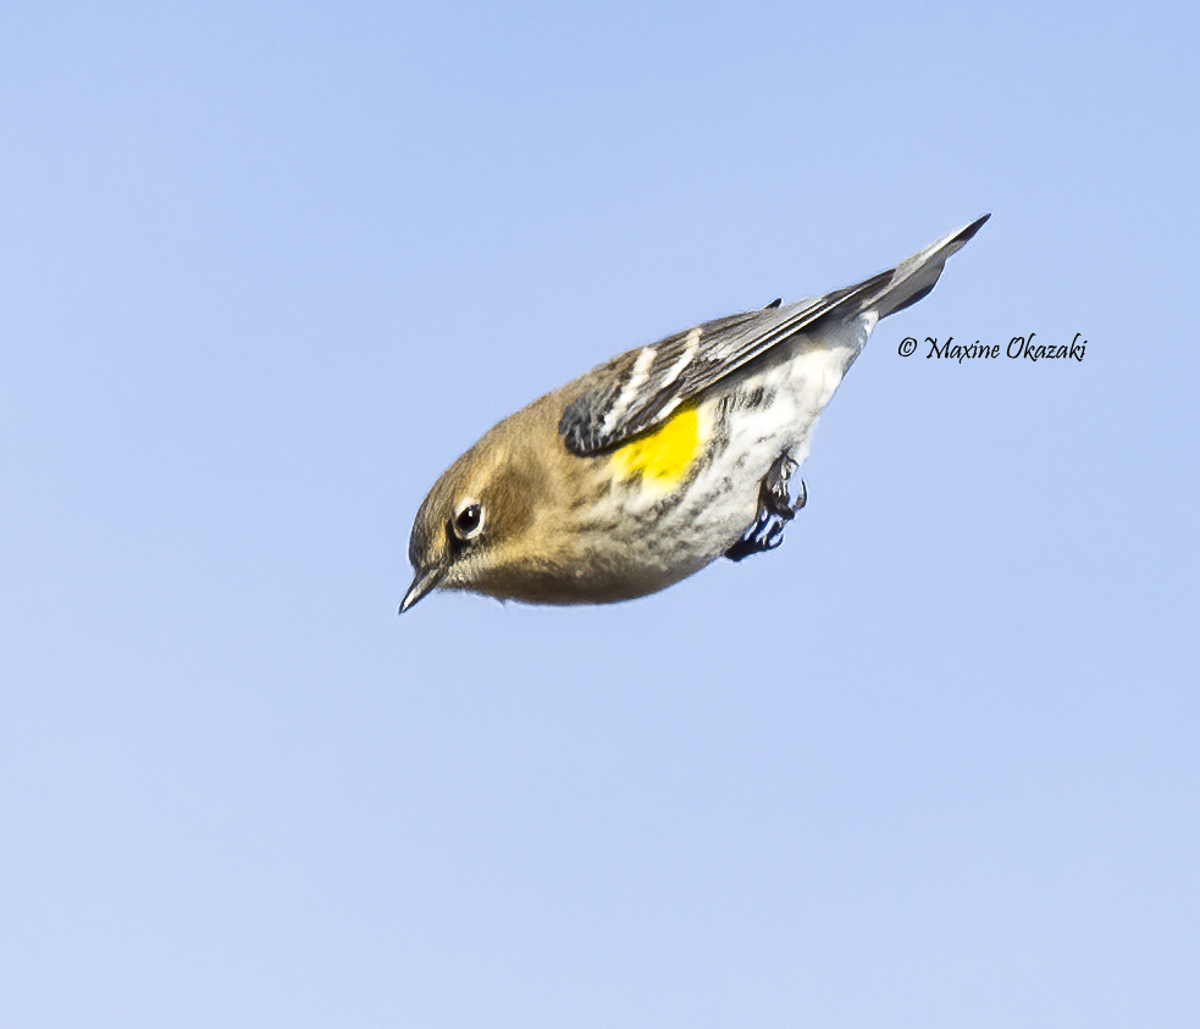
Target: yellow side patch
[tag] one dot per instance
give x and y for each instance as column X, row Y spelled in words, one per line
column 661, row 456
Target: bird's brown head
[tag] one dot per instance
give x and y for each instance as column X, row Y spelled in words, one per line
column 475, row 520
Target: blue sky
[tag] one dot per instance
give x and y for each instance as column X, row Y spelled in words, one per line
column 266, row 269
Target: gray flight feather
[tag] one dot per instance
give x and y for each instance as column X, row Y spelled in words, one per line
column 642, row 388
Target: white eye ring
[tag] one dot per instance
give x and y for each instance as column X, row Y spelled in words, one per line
column 467, row 522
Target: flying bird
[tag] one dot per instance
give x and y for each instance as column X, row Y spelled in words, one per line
column 651, row 466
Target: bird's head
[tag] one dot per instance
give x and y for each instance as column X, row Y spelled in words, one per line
column 477, row 520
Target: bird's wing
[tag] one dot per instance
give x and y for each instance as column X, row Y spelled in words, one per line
column 642, row 388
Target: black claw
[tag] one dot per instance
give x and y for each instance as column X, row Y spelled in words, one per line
column 765, row 534
column 743, row 548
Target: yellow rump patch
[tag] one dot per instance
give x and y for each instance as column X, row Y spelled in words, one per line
column 661, row 456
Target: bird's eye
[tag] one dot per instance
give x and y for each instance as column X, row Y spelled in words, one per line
column 468, row 522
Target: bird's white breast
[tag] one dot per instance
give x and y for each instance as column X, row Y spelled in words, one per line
column 722, row 501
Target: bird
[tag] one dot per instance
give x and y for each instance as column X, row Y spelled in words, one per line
column 656, row 463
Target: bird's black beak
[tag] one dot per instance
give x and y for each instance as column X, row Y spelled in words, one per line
column 422, row 583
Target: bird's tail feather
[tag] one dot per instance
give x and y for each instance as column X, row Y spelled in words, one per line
column 914, row 278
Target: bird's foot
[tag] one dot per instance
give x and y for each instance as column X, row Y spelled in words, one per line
column 775, row 510
column 774, row 495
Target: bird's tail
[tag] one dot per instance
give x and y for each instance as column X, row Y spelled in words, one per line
column 913, row 279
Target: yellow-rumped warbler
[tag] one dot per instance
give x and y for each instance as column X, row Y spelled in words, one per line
column 641, row 472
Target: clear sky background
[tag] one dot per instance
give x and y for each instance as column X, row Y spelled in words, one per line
column 266, row 269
